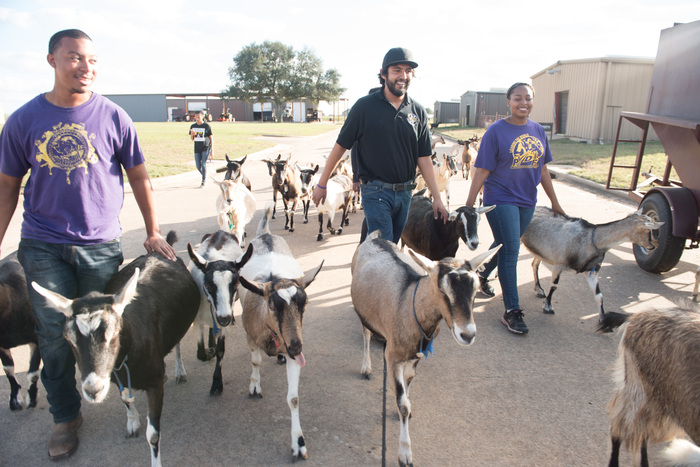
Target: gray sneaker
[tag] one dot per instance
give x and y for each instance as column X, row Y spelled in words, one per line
column 513, row 320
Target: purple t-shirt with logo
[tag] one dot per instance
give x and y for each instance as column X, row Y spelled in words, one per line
column 515, row 155
column 75, row 156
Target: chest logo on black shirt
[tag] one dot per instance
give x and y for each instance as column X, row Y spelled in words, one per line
column 412, row 119
column 66, row 147
column 526, row 151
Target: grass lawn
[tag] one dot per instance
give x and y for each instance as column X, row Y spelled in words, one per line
column 592, row 160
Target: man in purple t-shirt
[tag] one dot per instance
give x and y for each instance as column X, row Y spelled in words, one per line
column 74, row 143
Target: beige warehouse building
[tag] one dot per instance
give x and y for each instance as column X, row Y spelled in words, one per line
column 583, row 98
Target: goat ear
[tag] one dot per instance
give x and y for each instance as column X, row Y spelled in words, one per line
column 227, row 159
column 653, row 225
column 297, row 166
column 453, row 216
column 241, row 161
column 240, row 262
column 315, row 169
column 474, row 263
column 638, row 211
column 485, row 209
column 425, row 263
column 197, row 259
column 255, row 287
column 310, row 276
column 58, row 301
column 127, row 293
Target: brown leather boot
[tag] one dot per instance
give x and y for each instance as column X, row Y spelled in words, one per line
column 64, row 438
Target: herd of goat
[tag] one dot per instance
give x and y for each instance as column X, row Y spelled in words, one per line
column 118, row 337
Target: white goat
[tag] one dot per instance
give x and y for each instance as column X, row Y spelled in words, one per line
column 443, row 172
column 338, row 197
column 386, row 285
column 272, row 290
column 573, row 243
column 657, row 380
column 235, row 206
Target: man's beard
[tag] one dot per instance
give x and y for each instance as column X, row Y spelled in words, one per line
column 391, row 85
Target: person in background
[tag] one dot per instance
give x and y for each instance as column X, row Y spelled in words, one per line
column 74, row 143
column 200, row 133
column 511, row 163
column 388, row 132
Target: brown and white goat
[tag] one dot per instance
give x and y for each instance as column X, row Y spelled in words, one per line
column 126, row 338
column 235, row 207
column 573, row 243
column 657, row 385
column 17, row 328
column 272, row 290
column 234, row 170
column 338, row 197
column 395, row 299
column 435, row 139
column 215, row 268
column 443, row 172
column 436, row 239
column 285, row 180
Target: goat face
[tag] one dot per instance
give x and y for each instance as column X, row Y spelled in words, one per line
column 467, row 219
column 457, row 282
column 278, row 170
column 451, row 165
column 643, row 232
column 92, row 327
column 306, row 175
column 220, row 282
column 233, row 168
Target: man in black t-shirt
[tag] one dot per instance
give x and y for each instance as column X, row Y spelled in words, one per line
column 390, row 135
column 200, row 133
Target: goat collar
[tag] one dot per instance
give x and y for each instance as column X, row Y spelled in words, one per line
column 128, row 377
column 214, row 327
column 274, row 336
column 429, row 348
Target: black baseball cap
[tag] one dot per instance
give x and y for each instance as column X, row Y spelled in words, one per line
column 398, row 55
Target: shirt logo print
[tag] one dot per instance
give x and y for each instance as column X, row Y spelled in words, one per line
column 526, row 151
column 412, row 119
column 66, row 147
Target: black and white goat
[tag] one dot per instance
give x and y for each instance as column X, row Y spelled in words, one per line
column 306, row 175
column 285, row 180
column 126, row 333
column 436, row 239
column 657, row 381
column 386, row 285
column 215, row 268
column 235, row 207
column 234, row 171
column 272, row 290
column 338, row 197
column 17, row 328
column 574, row 243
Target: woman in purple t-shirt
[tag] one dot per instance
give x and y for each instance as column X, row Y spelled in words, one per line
column 509, row 166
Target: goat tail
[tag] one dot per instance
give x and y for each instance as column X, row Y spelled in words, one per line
column 679, row 452
column 264, row 226
column 171, row 238
column 612, row 320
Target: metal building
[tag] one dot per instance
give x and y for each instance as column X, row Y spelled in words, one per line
column 583, row 98
column 446, row 112
column 482, row 108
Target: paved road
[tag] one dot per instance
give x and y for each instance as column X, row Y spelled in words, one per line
column 507, row 400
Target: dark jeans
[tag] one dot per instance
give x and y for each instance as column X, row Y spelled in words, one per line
column 200, row 160
column 385, row 210
column 72, row 271
column 508, row 223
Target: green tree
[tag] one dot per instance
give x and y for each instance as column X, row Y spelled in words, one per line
column 276, row 72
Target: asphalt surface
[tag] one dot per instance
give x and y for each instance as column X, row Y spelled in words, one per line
column 506, row 400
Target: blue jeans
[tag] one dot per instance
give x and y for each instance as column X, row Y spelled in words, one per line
column 200, row 161
column 508, row 223
column 385, row 210
column 72, row 271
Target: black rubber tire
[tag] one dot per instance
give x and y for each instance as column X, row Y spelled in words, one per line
column 664, row 257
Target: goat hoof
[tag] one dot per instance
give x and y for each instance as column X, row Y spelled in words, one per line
column 541, row 294
column 32, row 404
column 255, row 395
column 347, row 222
column 547, row 310
column 366, row 376
column 286, row 227
column 339, row 232
column 291, row 230
column 306, row 221
column 15, row 405
column 319, row 238
column 281, row 359
column 216, row 390
column 180, row 379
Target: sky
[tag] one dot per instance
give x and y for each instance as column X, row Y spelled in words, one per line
column 179, row 46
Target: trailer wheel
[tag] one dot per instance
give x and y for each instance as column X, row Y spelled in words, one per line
column 664, row 257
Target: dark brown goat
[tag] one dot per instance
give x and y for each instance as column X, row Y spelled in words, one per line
column 285, row 180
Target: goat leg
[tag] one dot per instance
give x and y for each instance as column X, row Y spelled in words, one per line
column 594, row 284
column 305, row 205
column 8, row 364
column 536, row 275
column 180, row 372
column 217, row 383
column 33, row 374
column 615, row 453
column 404, row 406
column 298, row 443
column 366, row 359
column 205, row 353
column 255, row 359
column 132, row 414
column 154, row 396
column 556, row 274
column 320, row 227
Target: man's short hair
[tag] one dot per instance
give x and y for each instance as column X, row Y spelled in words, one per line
column 55, row 40
column 199, row 112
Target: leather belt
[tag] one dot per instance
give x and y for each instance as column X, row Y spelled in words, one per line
column 407, row 186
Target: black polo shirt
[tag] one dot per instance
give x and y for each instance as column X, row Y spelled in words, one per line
column 389, row 141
